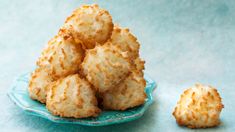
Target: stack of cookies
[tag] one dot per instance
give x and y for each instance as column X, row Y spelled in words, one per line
column 90, row 61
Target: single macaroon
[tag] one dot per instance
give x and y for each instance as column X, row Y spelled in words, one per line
column 129, row 93
column 72, row 97
column 199, row 107
column 62, row 56
column 38, row 84
column 122, row 38
column 104, row 67
column 90, row 24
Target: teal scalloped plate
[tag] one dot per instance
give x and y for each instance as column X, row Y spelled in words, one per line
column 19, row 95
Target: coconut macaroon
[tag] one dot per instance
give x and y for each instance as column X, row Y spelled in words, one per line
column 105, row 67
column 122, row 38
column 38, row 84
column 90, row 24
column 62, row 56
column 199, row 107
column 129, row 93
column 72, row 97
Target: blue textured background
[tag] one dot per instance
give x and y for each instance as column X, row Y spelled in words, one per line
column 182, row 41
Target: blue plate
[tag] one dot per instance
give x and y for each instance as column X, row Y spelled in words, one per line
column 19, row 94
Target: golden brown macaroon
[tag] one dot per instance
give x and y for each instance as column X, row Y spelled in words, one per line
column 90, row 24
column 62, row 56
column 199, row 107
column 38, row 84
column 129, row 93
column 72, row 97
column 123, row 39
column 105, row 67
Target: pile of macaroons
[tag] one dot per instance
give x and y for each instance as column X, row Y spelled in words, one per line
column 90, row 61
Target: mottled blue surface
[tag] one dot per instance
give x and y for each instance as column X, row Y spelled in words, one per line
column 182, row 41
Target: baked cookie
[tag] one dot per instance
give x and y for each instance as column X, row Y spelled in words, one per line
column 199, row 107
column 38, row 84
column 72, row 97
column 62, row 56
column 90, row 24
column 104, row 67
